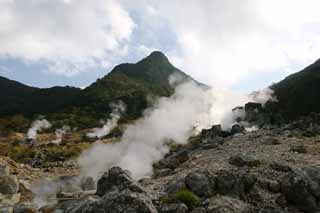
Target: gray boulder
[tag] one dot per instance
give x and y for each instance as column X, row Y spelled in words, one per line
column 200, row 183
column 116, row 179
column 127, row 202
column 9, row 184
column 301, row 188
column 173, row 160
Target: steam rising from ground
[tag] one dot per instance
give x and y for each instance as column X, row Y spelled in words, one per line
column 117, row 110
column 175, row 118
column 36, row 126
column 60, row 133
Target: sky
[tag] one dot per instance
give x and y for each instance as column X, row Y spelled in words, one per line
column 243, row 45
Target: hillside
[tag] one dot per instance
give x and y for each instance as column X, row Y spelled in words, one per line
column 298, row 94
column 134, row 84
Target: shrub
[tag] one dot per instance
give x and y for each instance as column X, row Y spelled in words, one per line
column 22, row 154
column 189, row 198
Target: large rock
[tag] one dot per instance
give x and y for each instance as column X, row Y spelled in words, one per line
column 301, row 188
column 200, row 183
column 116, row 179
column 173, row 160
column 224, row 204
column 175, row 186
column 127, row 202
column 116, row 192
column 9, row 184
column 209, row 135
column 236, row 184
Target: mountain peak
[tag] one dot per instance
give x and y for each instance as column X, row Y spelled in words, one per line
column 156, row 56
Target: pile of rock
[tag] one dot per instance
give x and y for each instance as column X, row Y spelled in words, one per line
column 116, row 192
column 13, row 192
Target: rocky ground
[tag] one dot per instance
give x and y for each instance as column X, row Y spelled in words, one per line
column 275, row 169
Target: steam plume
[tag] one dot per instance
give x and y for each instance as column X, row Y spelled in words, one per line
column 117, row 109
column 60, row 133
column 173, row 118
column 36, row 126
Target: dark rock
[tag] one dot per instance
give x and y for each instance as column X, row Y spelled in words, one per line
column 301, row 188
column 235, row 184
column 209, row 135
column 175, row 186
column 116, row 179
column 173, row 208
column 200, row 183
column 174, row 160
column 241, row 160
column 9, row 184
column 298, row 148
column 127, row 202
column 280, row 167
column 236, row 128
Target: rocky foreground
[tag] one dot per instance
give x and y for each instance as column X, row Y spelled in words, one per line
column 275, row 169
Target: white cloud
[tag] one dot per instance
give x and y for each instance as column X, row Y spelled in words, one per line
column 223, row 42
column 68, row 36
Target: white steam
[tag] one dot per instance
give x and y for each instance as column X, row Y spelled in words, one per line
column 173, row 118
column 264, row 95
column 36, row 126
column 60, row 133
column 117, row 110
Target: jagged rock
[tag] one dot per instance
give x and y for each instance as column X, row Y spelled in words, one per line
column 224, row 204
column 175, row 186
column 212, row 144
column 173, row 208
column 209, row 135
column 116, row 179
column 127, row 202
column 25, row 208
column 236, row 128
column 235, row 184
column 241, row 160
column 301, row 188
column 200, row 183
column 298, row 148
column 9, row 184
column 87, row 183
column 174, row 160
column 117, row 193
